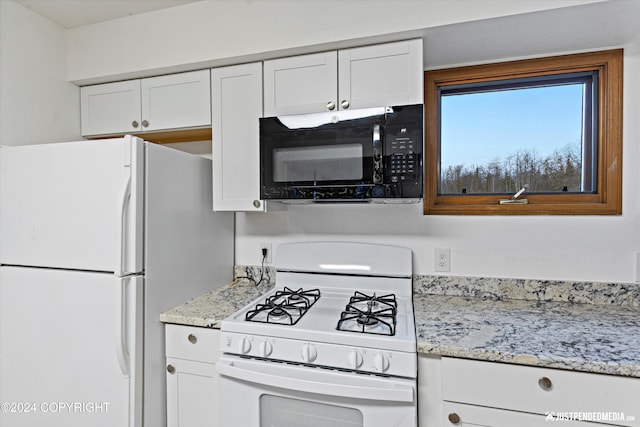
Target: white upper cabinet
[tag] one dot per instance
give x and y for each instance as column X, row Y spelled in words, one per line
column 111, row 108
column 371, row 76
column 300, row 84
column 386, row 74
column 176, row 101
column 236, row 94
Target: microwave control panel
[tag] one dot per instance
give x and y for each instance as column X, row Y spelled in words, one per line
column 403, row 153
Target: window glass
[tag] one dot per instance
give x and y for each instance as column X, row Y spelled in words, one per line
column 552, row 126
column 499, row 140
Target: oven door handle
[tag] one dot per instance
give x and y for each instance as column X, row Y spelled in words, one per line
column 395, row 393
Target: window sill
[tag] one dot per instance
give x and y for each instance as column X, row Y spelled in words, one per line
column 537, row 205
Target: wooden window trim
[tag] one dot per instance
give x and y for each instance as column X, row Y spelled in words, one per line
column 608, row 197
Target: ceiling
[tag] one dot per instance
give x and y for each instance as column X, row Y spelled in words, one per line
column 76, row 13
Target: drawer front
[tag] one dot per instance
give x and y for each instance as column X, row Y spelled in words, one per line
column 541, row 390
column 461, row 415
column 192, row 343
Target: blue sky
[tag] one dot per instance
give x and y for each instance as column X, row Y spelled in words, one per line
column 479, row 127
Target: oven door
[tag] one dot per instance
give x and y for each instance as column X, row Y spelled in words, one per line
column 322, row 156
column 267, row 394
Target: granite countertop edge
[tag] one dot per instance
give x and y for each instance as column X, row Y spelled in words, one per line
column 569, row 336
column 210, row 309
column 608, row 368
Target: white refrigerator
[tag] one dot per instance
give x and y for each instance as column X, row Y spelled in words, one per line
column 97, row 238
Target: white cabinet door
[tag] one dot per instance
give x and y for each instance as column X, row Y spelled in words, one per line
column 381, row 75
column 370, row 76
column 237, row 106
column 112, row 108
column 192, row 394
column 538, row 390
column 192, row 378
column 301, row 84
column 176, row 101
column 460, row 415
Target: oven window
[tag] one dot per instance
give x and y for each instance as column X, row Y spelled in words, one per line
column 286, row 412
column 318, row 163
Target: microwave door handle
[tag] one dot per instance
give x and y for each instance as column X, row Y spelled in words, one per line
column 396, row 393
column 377, row 155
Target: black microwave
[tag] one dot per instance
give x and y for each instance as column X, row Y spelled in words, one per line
column 368, row 155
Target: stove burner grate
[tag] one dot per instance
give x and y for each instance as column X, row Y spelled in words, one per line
column 369, row 314
column 285, row 307
column 373, row 301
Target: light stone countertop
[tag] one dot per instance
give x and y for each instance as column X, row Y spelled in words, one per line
column 600, row 338
column 582, row 337
column 211, row 308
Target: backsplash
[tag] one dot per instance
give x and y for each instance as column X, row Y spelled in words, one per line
column 255, row 273
column 621, row 294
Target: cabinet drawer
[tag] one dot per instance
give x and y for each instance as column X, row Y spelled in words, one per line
column 193, row 343
column 539, row 390
column 462, row 415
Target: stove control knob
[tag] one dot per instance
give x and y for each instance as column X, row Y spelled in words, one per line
column 244, row 345
column 265, row 348
column 308, row 353
column 355, row 359
column 380, row 362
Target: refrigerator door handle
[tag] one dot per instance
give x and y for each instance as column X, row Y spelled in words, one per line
column 121, row 329
column 121, row 223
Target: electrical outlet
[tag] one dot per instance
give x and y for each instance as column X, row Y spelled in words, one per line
column 267, row 258
column 442, row 259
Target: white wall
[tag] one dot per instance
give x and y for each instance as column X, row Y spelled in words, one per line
column 589, row 248
column 544, row 247
column 37, row 103
column 217, row 33
column 214, row 33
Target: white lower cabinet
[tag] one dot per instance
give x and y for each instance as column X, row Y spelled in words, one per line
column 460, row 392
column 192, row 379
column 461, row 415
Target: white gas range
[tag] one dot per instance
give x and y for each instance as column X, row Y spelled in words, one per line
column 333, row 343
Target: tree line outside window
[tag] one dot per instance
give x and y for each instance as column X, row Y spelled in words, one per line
column 560, row 171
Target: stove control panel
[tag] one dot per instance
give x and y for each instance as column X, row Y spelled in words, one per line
column 354, row 359
column 338, row 356
column 308, row 353
column 265, row 348
column 380, row 362
column 244, row 345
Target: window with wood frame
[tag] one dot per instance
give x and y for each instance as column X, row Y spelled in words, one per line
column 533, row 137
